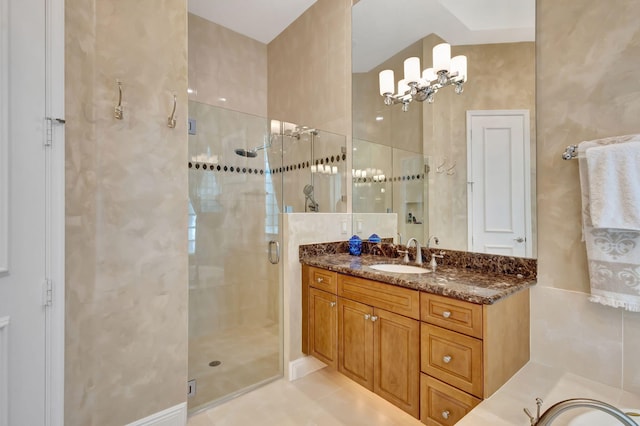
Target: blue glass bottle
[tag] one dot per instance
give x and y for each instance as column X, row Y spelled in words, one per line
column 355, row 246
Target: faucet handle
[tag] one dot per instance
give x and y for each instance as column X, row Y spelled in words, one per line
column 406, row 255
column 534, row 420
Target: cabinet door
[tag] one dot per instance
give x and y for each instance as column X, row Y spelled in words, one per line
column 323, row 326
column 396, row 360
column 355, row 341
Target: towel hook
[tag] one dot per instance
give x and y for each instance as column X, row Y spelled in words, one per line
column 118, row 111
column 451, row 170
column 171, row 120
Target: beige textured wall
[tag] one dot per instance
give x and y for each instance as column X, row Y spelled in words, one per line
column 309, row 71
column 587, row 87
column 226, row 65
column 501, row 76
column 126, row 194
column 398, row 129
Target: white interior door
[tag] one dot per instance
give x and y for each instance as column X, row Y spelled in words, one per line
column 22, row 212
column 499, row 177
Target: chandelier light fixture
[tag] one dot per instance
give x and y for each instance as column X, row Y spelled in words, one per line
column 446, row 71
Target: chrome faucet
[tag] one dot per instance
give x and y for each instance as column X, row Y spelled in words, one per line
column 555, row 410
column 418, row 250
column 434, row 263
column 435, row 240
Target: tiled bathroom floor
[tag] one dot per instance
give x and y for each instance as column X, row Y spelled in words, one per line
column 248, row 355
column 323, row 398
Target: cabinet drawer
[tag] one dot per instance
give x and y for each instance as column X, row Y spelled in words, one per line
column 323, row 279
column 391, row 298
column 452, row 357
column 441, row 404
column 456, row 315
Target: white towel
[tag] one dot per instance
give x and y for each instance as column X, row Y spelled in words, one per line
column 613, row 254
column 614, row 185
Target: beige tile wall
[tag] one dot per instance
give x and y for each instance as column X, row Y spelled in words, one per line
column 126, row 194
column 402, row 130
column 587, row 87
column 240, row 77
column 501, row 76
column 309, row 72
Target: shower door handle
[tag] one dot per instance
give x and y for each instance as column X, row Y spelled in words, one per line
column 275, row 244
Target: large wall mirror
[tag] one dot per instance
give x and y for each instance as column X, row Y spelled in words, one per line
column 461, row 168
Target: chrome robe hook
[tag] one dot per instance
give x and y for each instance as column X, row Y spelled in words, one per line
column 118, row 111
column 171, row 120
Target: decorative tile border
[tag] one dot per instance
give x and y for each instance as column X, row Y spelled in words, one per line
column 334, row 159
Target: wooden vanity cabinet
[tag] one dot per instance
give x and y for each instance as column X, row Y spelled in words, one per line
column 378, row 345
column 468, row 351
column 432, row 356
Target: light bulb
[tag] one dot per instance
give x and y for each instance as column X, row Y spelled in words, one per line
column 403, row 87
column 412, row 70
column 442, row 57
column 387, row 83
column 459, row 65
column 429, row 75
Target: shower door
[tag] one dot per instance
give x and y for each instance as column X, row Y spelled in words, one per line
column 235, row 290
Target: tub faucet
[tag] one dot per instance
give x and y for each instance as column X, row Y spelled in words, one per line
column 418, row 250
column 555, row 410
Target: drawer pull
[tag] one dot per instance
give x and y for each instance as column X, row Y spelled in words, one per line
column 374, row 318
column 445, row 414
column 367, row 316
column 446, row 314
column 332, row 304
column 446, row 359
column 319, row 279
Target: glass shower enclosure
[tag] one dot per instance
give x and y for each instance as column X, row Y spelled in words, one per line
column 244, row 172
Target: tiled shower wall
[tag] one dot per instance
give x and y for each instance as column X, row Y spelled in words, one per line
column 126, row 192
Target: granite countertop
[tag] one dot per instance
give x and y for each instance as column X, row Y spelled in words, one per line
column 458, row 283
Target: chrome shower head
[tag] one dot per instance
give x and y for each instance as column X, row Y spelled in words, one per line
column 246, row 153
column 308, row 190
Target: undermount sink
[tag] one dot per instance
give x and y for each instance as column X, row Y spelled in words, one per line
column 401, row 269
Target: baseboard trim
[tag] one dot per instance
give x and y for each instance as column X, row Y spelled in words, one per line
column 298, row 368
column 174, row 416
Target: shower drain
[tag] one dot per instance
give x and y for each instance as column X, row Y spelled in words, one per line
column 215, row 363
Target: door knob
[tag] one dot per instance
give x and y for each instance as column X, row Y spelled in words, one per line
column 446, row 359
column 319, row 279
column 445, row 414
column 519, row 240
column 367, row 316
column 374, row 318
column 446, row 314
column 332, row 304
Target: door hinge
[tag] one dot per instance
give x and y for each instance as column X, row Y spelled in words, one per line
column 47, row 292
column 48, row 141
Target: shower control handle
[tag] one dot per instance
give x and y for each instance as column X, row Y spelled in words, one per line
column 274, row 260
